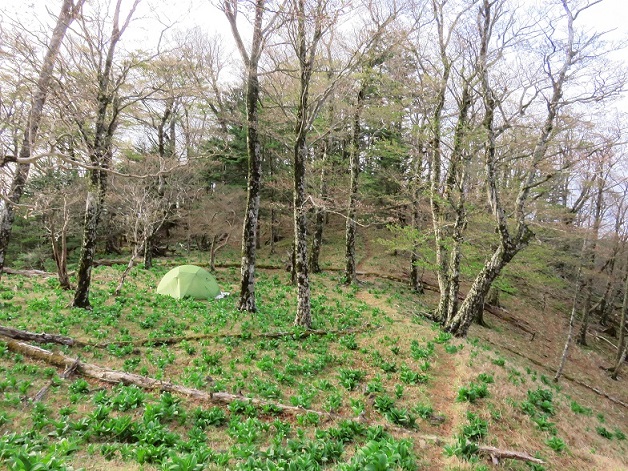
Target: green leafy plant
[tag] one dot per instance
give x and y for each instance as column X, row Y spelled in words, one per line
column 203, row 418
column 555, row 443
column 411, row 377
column 476, row 428
column 578, row 409
column 349, row 342
column 472, row 392
column 462, row 448
column 351, row 378
column 604, row 432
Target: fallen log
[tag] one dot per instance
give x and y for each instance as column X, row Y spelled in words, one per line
column 63, row 340
column 39, row 337
column 109, row 263
column 598, row 391
column 566, row 376
column 194, row 337
column 29, row 273
column 65, row 375
column 496, row 454
column 108, row 375
column 119, row 377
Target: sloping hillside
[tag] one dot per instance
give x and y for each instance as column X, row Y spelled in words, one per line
column 375, row 386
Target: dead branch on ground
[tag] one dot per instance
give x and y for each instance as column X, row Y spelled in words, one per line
column 119, row 377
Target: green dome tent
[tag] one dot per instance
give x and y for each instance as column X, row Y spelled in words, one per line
column 190, row 281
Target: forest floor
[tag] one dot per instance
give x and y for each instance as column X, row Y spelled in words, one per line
column 383, row 388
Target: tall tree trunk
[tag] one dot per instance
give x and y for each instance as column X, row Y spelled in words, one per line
column 354, row 169
column 93, row 210
column 300, row 262
column 319, row 216
column 107, row 116
column 436, row 165
column 474, row 301
column 621, row 348
column 148, row 251
column 246, row 301
column 293, row 259
column 455, row 195
column 510, row 243
column 305, row 55
column 69, row 11
column 572, row 320
column 304, row 315
column 415, row 275
column 588, row 285
column 453, row 270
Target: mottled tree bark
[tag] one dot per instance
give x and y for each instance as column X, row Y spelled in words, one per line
column 354, row 169
column 107, row 116
column 621, row 348
column 148, row 251
column 304, row 314
column 93, row 210
column 435, row 172
column 511, row 242
column 588, row 284
column 305, row 55
column 69, row 11
column 455, row 195
column 474, row 301
column 246, row 300
column 306, row 48
column 319, row 216
column 415, row 275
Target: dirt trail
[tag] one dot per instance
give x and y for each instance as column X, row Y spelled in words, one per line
column 448, row 372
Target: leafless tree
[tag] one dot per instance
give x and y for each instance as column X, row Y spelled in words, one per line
column 70, row 9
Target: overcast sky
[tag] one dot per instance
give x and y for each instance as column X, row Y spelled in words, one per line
column 607, row 15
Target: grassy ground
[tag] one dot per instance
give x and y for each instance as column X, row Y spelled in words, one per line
column 422, row 400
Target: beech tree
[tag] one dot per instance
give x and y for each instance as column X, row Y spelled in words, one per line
column 23, row 156
column 564, row 61
column 251, row 59
column 97, row 126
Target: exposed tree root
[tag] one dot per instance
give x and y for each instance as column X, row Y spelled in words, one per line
column 118, row 377
column 62, row 340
